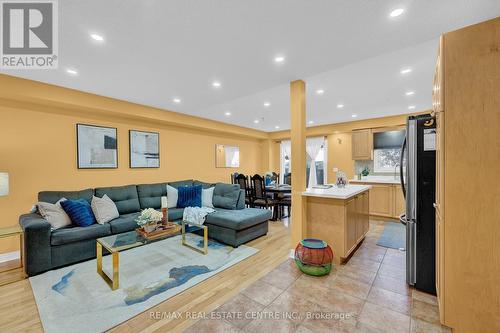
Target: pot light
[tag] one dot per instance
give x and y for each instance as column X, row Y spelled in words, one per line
column 267, row 104
column 227, row 113
column 409, row 93
column 340, row 106
column 279, row 59
column 311, row 122
column 396, row 12
column 406, row 70
column 97, row 37
column 411, row 107
column 176, row 100
column 72, row 71
column 354, row 115
column 320, row 91
column 276, row 127
column 256, row 121
column 216, row 84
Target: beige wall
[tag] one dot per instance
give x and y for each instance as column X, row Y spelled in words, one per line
column 38, row 150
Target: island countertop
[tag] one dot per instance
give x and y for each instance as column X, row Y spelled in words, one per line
column 335, row 192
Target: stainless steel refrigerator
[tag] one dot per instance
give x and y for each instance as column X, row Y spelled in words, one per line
column 419, row 188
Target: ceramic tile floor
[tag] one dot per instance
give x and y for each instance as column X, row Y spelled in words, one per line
column 367, row 294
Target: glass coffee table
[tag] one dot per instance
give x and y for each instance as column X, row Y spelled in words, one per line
column 121, row 242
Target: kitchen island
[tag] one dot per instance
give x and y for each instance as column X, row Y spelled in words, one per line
column 339, row 216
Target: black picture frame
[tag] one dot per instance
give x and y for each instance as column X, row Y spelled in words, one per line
column 109, row 141
column 134, row 165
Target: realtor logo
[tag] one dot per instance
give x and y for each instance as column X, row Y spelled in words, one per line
column 29, row 34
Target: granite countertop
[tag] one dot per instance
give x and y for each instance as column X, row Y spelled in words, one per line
column 377, row 180
column 336, row 192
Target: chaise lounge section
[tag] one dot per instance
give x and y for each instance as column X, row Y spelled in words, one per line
column 46, row 249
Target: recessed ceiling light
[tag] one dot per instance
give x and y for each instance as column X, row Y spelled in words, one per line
column 227, row 113
column 279, row 59
column 409, row 93
column 406, row 70
column 354, row 115
column 320, row 91
column 176, row 100
column 311, row 122
column 396, row 12
column 340, row 106
column 256, row 121
column 216, row 84
column 276, row 127
column 71, row 71
column 267, row 104
column 97, row 37
column 411, row 107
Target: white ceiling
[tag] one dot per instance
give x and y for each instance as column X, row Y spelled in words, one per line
column 155, row 51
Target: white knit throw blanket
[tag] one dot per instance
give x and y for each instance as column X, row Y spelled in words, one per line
column 196, row 215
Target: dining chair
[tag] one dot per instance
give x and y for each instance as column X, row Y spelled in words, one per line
column 288, row 178
column 242, row 180
column 259, row 195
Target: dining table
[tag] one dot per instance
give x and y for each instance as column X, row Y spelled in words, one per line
column 278, row 190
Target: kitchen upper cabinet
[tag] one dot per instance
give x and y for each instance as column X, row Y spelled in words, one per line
column 362, row 144
column 381, row 200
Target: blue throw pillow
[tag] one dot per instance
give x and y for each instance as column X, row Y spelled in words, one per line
column 189, row 196
column 79, row 211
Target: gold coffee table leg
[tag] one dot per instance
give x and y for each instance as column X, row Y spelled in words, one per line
column 114, row 281
column 205, row 239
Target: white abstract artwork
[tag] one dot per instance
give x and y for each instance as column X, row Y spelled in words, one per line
column 144, row 149
column 97, row 147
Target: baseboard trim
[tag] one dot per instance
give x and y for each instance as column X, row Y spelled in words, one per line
column 9, row 256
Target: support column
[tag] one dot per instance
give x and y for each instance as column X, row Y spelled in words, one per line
column 298, row 138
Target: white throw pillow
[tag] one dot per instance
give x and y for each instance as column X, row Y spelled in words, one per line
column 172, row 196
column 207, row 196
column 104, row 209
column 54, row 214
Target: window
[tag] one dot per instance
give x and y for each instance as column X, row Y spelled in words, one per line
column 315, row 146
column 386, row 160
column 387, row 151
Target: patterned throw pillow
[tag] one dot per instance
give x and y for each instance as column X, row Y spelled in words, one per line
column 79, row 211
column 189, row 196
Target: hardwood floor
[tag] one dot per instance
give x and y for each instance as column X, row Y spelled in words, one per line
column 18, row 311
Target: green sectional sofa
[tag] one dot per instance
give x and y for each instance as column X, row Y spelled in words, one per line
column 46, row 249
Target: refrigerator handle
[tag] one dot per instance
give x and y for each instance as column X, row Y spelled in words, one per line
column 403, row 148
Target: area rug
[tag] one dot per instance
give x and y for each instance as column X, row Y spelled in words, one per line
column 76, row 298
column 393, row 236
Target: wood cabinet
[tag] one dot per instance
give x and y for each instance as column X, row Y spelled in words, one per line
column 362, row 144
column 381, row 200
column 343, row 224
column 467, row 148
column 399, row 201
column 386, row 200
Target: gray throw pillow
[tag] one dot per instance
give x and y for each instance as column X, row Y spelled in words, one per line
column 172, row 196
column 226, row 195
column 54, row 214
column 104, row 209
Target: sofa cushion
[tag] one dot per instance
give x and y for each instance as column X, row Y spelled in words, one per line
column 54, row 214
column 175, row 214
column 125, row 197
column 226, row 195
column 150, row 195
column 75, row 234
column 187, row 182
column 124, row 223
column 189, row 196
column 203, row 184
column 238, row 219
column 54, row 196
column 104, row 209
